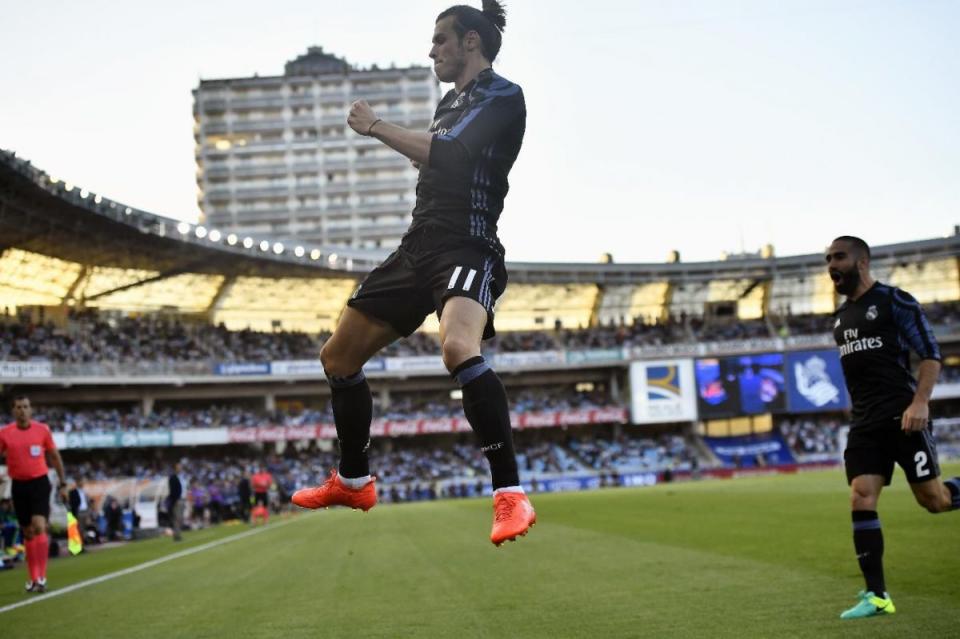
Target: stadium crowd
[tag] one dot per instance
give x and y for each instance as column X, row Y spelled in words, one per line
column 812, row 435
column 818, row 436
column 942, row 315
column 89, row 336
column 401, row 407
column 413, row 468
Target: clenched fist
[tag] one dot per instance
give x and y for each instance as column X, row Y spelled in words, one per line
column 361, row 117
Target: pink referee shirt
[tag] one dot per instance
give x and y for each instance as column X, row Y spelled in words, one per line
column 26, row 450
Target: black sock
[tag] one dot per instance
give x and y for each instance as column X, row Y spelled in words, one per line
column 868, row 542
column 485, row 406
column 352, row 406
column 953, row 485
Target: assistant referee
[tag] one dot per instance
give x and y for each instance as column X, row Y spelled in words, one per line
column 28, row 447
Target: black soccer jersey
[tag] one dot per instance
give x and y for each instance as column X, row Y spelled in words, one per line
column 875, row 334
column 477, row 137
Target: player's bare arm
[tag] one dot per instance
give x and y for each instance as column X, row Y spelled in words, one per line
column 415, row 145
column 917, row 415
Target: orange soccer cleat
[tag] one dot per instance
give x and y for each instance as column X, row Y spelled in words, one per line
column 334, row 492
column 513, row 516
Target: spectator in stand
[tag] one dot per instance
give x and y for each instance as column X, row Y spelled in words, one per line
column 113, row 514
column 244, row 495
column 813, row 437
column 174, row 505
column 79, row 504
column 148, row 341
column 198, row 498
column 427, row 405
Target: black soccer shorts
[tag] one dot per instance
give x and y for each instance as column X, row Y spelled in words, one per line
column 423, row 273
column 261, row 499
column 31, row 497
column 872, row 449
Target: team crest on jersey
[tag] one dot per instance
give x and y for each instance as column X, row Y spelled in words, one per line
column 872, row 313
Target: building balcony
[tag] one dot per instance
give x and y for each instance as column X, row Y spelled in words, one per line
column 257, row 193
column 213, row 128
column 400, row 207
column 213, row 105
column 252, row 170
column 418, row 92
column 378, row 95
column 306, row 167
column 336, row 143
column 269, row 216
column 388, row 162
column 218, row 193
column 339, row 210
column 303, row 121
column 335, row 165
column 301, row 100
column 375, row 231
column 337, row 188
column 333, row 98
column 266, row 146
column 216, row 171
column 420, row 114
column 247, row 104
column 366, row 186
column 361, row 142
column 333, row 120
column 218, row 218
column 246, row 126
column 307, row 189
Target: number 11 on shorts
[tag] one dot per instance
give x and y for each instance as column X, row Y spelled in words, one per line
column 468, row 280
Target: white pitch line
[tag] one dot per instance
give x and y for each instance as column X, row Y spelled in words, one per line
column 143, row 566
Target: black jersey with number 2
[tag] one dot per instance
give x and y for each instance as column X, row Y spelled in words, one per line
column 477, row 137
column 875, row 334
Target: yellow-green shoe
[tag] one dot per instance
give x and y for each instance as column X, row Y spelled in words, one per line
column 870, row 605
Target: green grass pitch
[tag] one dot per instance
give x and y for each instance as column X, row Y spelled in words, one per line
column 757, row 557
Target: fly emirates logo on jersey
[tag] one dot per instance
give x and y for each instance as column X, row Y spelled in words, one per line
column 853, row 343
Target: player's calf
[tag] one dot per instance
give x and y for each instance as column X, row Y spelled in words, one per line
column 936, row 496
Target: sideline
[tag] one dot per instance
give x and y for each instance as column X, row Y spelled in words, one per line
column 145, row 565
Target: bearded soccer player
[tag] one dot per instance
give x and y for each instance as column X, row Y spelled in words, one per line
column 29, row 447
column 890, row 423
column 449, row 262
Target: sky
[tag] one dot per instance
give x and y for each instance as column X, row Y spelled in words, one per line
column 703, row 126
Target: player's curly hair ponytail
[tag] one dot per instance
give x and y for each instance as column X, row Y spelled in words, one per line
column 488, row 24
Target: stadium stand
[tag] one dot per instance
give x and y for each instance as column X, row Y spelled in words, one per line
column 146, row 341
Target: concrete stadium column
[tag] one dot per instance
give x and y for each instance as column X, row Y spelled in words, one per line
column 146, row 405
column 614, row 386
column 270, row 402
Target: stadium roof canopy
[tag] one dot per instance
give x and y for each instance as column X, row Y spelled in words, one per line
column 43, row 215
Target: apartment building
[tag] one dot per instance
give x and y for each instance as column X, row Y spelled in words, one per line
column 275, row 157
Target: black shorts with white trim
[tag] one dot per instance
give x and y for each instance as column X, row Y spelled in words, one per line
column 424, row 272
column 874, row 448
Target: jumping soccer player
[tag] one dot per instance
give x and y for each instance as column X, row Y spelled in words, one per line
column 449, row 261
column 890, row 421
column 29, row 447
